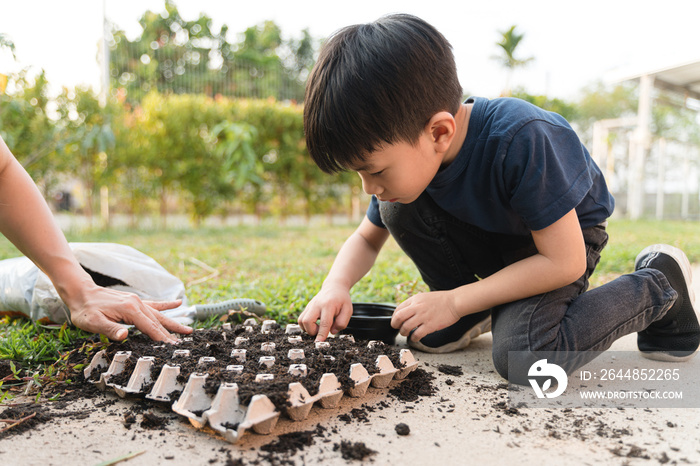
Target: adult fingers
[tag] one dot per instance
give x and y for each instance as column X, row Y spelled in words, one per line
column 147, row 320
column 102, row 325
column 152, row 327
column 171, row 324
column 163, row 305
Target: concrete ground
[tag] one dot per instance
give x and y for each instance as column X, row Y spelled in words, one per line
column 468, row 421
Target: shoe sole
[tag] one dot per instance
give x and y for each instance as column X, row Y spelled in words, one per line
column 683, row 262
column 665, row 357
column 482, row 327
column 680, row 258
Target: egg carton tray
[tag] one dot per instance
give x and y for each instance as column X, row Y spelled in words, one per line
column 242, row 378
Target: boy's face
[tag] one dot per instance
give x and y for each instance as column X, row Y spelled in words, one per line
column 400, row 172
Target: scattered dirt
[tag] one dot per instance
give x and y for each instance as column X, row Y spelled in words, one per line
column 147, row 415
column 402, row 429
column 450, row 370
column 353, row 450
column 294, row 441
column 417, row 384
column 22, row 418
column 516, row 425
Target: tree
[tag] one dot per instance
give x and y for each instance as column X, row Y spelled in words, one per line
column 86, row 127
column 551, row 104
column 180, row 56
column 509, row 43
column 171, row 54
column 27, row 129
column 6, row 43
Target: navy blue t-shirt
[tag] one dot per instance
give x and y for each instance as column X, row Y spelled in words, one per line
column 520, row 169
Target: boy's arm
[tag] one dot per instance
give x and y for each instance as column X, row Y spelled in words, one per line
column 332, row 305
column 25, row 219
column 561, row 259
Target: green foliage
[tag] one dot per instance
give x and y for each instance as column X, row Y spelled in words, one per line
column 165, row 147
column 26, row 127
column 7, row 43
column 628, row 238
column 169, row 55
column 509, row 43
column 239, row 162
column 563, row 108
column 216, row 151
column 86, row 131
column 33, row 344
column 180, row 56
column 600, row 102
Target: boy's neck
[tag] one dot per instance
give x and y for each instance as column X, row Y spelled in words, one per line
column 462, row 123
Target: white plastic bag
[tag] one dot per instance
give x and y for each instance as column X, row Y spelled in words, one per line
column 27, row 290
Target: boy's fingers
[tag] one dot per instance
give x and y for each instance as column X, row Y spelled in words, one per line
column 307, row 323
column 415, row 334
column 325, row 327
column 398, row 318
column 342, row 319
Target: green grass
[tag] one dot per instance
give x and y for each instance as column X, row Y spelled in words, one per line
column 285, row 266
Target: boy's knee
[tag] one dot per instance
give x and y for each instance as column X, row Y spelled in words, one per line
column 513, row 362
column 500, row 361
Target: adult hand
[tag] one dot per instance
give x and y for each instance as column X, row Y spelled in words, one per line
column 425, row 313
column 332, row 305
column 100, row 310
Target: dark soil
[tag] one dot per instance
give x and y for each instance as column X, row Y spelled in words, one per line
column 450, row 370
column 402, row 429
column 417, row 384
column 6, row 373
column 26, row 416
column 149, row 415
column 218, row 344
column 294, row 441
column 19, row 418
column 353, row 450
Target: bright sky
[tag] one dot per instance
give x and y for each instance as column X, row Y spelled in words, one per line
column 573, row 43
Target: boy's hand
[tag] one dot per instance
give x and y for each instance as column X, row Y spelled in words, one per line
column 333, row 307
column 425, row 313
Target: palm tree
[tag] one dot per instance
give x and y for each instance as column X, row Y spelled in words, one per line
column 6, row 42
column 508, row 43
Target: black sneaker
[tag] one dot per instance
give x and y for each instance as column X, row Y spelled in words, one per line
column 676, row 336
column 456, row 336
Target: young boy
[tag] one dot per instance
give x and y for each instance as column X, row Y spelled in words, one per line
column 497, row 202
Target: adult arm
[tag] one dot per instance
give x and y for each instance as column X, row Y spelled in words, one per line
column 25, row 219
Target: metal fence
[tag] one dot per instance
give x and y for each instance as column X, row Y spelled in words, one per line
column 670, row 183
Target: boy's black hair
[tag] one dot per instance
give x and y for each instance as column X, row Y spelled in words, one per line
column 374, row 84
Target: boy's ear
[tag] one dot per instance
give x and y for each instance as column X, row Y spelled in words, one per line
column 442, row 129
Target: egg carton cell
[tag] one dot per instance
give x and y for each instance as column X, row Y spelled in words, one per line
column 244, row 377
